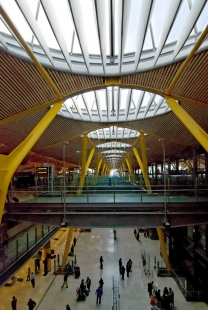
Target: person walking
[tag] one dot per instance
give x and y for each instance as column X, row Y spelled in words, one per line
column 122, row 272
column 120, row 264
column 65, row 280
column 171, row 296
column 74, row 241
column 14, row 303
column 31, row 304
column 159, row 298
column 88, row 283
column 149, row 288
column 138, row 236
column 101, row 283
column 127, row 269
column 28, row 274
column 99, row 293
column 101, row 262
column 67, row 307
column 72, row 250
column 130, row 264
column 82, row 286
column 33, row 279
column 135, row 232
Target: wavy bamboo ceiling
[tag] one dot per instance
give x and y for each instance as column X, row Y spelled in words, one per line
column 100, row 111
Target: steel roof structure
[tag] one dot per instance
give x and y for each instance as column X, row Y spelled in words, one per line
column 82, row 44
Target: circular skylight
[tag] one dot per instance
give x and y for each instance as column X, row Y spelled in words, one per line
column 114, row 104
column 104, row 37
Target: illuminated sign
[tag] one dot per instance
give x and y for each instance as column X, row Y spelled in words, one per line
column 42, row 170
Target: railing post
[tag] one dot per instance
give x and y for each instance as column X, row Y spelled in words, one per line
column 36, row 190
column 196, row 189
column 36, row 235
column 114, row 193
column 87, row 189
column 61, row 193
column 17, row 253
column 27, row 242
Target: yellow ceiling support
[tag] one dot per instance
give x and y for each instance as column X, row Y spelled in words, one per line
column 9, row 163
column 67, row 246
column 186, row 62
column 83, row 175
column 103, row 168
column 112, row 80
column 33, row 110
column 84, row 158
column 200, row 135
column 131, row 174
column 97, row 169
column 163, row 248
column 138, row 158
column 42, row 71
column 146, row 180
column 144, row 161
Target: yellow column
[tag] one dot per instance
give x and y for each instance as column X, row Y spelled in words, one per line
column 99, row 162
column 67, row 246
column 163, row 248
column 103, row 169
column 84, row 158
column 144, row 162
column 128, row 162
column 81, row 183
column 200, row 135
column 9, row 163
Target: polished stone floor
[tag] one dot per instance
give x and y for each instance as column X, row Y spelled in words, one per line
column 48, row 293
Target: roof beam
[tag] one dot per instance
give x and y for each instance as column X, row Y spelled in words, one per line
column 75, row 9
column 189, row 24
column 170, row 18
column 26, row 11
column 53, row 20
column 144, row 18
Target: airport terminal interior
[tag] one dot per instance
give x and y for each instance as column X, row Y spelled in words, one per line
column 103, row 143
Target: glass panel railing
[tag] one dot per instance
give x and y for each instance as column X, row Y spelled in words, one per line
column 119, row 189
column 20, row 245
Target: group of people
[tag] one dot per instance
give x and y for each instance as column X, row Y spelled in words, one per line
column 122, row 269
column 84, row 289
column 136, row 234
column 31, row 277
column 164, row 301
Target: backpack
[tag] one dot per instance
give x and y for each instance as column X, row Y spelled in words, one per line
column 152, row 301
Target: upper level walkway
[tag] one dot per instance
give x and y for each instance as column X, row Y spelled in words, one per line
column 119, row 205
column 145, row 214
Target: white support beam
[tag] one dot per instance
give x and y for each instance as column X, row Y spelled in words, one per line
column 51, row 15
column 144, row 18
column 126, row 16
column 102, row 26
column 26, row 11
column 77, row 18
column 170, row 17
column 151, row 99
column 189, row 25
column 139, row 103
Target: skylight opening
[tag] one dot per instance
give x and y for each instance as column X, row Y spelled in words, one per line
column 178, row 23
column 133, row 22
column 65, row 23
column 46, row 30
column 90, row 26
column 16, row 15
column 160, row 9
